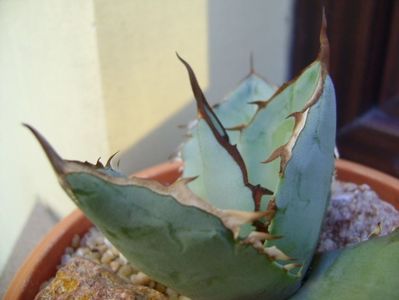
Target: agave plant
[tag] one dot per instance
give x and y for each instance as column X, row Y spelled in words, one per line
column 244, row 220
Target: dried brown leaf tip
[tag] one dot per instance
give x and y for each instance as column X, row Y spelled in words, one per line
column 56, row 161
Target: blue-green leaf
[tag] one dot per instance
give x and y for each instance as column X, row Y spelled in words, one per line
column 368, row 270
column 175, row 237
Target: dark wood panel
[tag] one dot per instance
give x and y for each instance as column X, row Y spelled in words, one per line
column 364, row 42
column 390, row 85
column 358, row 34
column 373, row 139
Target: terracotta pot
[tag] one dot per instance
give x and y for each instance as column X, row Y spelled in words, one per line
column 41, row 263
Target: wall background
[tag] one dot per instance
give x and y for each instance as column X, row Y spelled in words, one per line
column 97, row 76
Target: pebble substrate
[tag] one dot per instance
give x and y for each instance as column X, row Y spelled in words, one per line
column 355, row 212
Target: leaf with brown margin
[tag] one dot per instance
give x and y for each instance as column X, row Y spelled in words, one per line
column 306, row 168
column 172, row 235
column 227, row 153
column 273, row 130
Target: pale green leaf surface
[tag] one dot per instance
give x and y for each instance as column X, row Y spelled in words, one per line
column 220, row 180
column 236, row 110
column 204, row 157
column 270, row 128
column 368, row 270
column 303, row 192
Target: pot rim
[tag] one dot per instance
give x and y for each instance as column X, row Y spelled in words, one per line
column 41, row 263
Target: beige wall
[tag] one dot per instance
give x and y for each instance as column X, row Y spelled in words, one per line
column 98, row 76
column 143, row 82
column 146, row 90
column 49, row 77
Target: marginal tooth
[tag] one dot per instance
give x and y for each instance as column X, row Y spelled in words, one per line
column 235, row 219
column 237, row 128
column 289, row 267
column 377, row 231
column 296, row 115
column 276, row 254
column 255, row 236
column 245, row 217
column 271, row 209
column 260, row 103
column 185, row 180
column 108, row 164
column 99, row 163
column 283, row 152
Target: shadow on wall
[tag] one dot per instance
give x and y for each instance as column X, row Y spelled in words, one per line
column 235, row 31
column 159, row 145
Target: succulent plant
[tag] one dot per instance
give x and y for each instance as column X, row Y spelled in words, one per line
column 244, row 220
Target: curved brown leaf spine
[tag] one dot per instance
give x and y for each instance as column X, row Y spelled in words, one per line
column 289, row 267
column 206, row 113
column 260, row 103
column 108, row 164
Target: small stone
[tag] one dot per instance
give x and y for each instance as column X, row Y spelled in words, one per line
column 94, row 256
column 160, row 287
column 125, row 271
column 84, row 279
column 102, row 248
column 75, row 241
column 140, row 279
column 115, row 251
column 173, row 295
column 107, row 257
column 82, row 251
column 65, row 259
column 114, row 265
column 69, row 250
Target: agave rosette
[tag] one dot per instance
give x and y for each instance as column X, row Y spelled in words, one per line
column 244, row 220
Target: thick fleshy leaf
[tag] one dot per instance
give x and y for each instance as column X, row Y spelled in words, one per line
column 209, row 185
column 293, row 134
column 368, row 270
column 272, row 127
column 306, row 165
column 174, row 236
column 211, row 141
column 235, row 111
column 239, row 107
column 303, row 191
